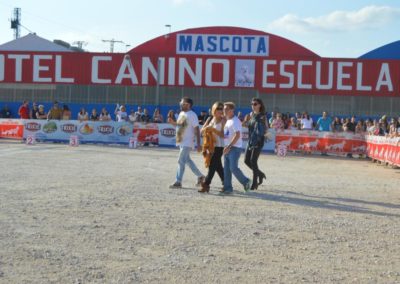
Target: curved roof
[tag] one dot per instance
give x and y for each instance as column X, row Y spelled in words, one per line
column 388, row 51
column 278, row 46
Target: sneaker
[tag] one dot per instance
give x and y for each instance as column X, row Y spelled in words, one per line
column 247, row 186
column 224, row 192
column 176, row 185
column 200, row 180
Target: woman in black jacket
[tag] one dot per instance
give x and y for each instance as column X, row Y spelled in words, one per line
column 257, row 128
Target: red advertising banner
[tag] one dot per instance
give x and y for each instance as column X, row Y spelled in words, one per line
column 11, row 128
column 146, row 132
column 321, row 142
column 213, row 57
column 384, row 149
column 270, row 75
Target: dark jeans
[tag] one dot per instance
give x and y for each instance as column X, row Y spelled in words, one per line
column 251, row 159
column 215, row 165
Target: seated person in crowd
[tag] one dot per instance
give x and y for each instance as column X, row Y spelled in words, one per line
column 5, row 112
column 41, row 114
column 324, row 123
column 138, row 114
column 359, row 129
column 23, row 110
column 278, row 123
column 33, row 111
column 146, row 117
column 292, row 125
column 66, row 113
column 132, row 116
column 83, row 115
column 157, row 116
column 104, row 115
column 306, row 122
column 202, row 117
column 120, row 113
column 55, row 112
column 94, row 115
column 393, row 128
column 337, row 125
column 171, row 119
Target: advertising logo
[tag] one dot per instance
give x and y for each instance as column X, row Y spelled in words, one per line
column 50, row 127
column 125, row 130
column 105, row 129
column 32, row 126
column 86, row 129
column 69, row 128
column 168, row 132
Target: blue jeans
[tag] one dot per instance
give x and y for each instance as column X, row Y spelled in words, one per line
column 231, row 166
column 184, row 158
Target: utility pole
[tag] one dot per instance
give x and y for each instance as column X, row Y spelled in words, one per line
column 112, row 42
column 16, row 23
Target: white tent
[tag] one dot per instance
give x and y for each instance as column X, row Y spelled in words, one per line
column 32, row 42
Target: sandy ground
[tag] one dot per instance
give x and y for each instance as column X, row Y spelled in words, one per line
column 96, row 214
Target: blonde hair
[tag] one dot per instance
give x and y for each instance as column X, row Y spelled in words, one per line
column 230, row 105
column 215, row 106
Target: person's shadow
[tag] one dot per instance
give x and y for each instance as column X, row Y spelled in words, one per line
column 329, row 203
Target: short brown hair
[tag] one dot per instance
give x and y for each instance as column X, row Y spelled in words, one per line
column 230, row 105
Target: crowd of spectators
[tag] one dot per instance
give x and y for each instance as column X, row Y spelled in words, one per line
column 382, row 126
column 277, row 120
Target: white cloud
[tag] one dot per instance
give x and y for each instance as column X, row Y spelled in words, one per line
column 365, row 18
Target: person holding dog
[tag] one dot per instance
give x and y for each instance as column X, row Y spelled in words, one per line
column 215, row 126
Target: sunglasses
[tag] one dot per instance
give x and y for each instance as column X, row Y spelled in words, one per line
column 254, row 104
column 219, row 108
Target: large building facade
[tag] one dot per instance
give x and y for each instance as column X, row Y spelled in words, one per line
column 207, row 64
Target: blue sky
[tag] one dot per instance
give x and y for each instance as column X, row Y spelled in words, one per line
column 341, row 28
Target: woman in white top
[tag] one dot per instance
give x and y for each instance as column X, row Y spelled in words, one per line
column 306, row 122
column 216, row 123
column 120, row 113
column 83, row 115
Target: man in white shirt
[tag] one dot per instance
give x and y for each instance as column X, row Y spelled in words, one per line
column 233, row 148
column 187, row 128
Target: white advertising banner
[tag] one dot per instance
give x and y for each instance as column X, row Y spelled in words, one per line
column 87, row 131
column 112, row 132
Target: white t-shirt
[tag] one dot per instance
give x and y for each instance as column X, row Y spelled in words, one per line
column 122, row 116
column 219, row 142
column 185, row 125
column 232, row 126
column 307, row 123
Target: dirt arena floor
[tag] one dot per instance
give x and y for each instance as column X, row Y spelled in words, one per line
column 102, row 214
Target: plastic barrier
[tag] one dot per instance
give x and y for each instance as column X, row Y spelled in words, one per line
column 384, row 149
column 87, row 132
column 111, row 132
column 321, row 142
column 11, row 128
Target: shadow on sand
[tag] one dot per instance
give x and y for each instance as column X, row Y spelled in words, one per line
column 329, row 203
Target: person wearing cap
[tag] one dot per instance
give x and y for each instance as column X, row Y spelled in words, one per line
column 33, row 111
column 55, row 112
column 41, row 114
